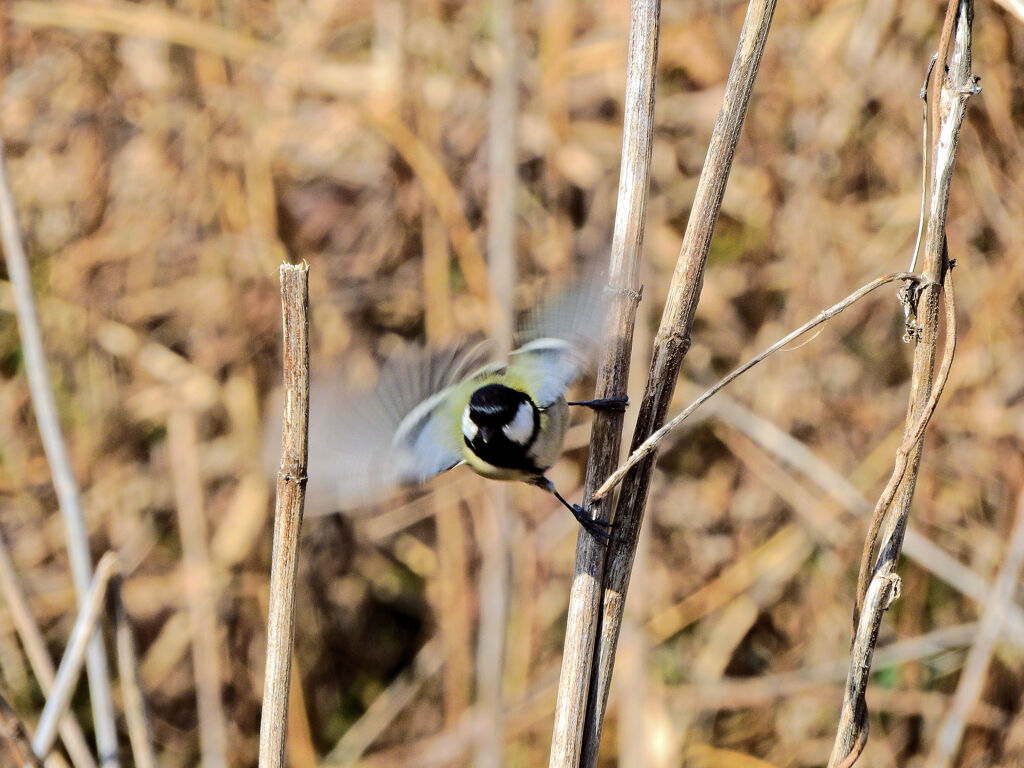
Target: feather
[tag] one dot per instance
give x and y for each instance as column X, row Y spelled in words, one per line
column 408, row 427
column 363, row 446
column 575, row 315
column 558, row 340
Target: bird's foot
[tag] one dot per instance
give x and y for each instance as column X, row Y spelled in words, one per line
column 618, row 404
column 599, row 529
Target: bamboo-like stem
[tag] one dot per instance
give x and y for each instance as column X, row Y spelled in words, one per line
column 670, row 346
column 613, row 374
column 64, row 482
column 71, row 664
column 38, row 657
column 291, row 493
column 950, row 85
column 134, row 702
column 651, row 443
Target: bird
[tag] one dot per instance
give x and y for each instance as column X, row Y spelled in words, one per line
column 432, row 410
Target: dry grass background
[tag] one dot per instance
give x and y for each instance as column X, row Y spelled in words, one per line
column 165, row 157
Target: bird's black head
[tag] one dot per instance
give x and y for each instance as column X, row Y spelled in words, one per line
column 500, row 416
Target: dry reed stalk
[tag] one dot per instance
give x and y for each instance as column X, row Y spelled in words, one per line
column 38, row 657
column 71, row 664
column 670, row 346
column 975, row 671
column 132, row 699
column 493, row 590
column 14, row 733
column 950, row 84
column 612, row 378
column 64, row 482
column 492, row 516
column 291, row 492
column 199, row 586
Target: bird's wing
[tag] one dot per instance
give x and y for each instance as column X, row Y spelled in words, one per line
column 559, row 338
column 429, row 439
column 545, row 368
column 404, row 430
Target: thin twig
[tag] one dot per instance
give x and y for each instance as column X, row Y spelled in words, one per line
column 132, row 699
column 651, row 443
column 64, row 482
column 291, row 491
column 71, row 664
column 571, row 705
column 14, row 733
column 950, row 86
column 670, row 346
column 39, row 657
column 972, row 678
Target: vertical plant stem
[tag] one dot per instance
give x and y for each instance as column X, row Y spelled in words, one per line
column 199, row 587
column 134, row 702
column 670, row 346
column 950, row 86
column 291, row 493
column 492, row 520
column 64, row 482
column 612, row 377
column 501, row 188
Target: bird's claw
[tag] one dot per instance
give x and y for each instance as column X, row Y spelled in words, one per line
column 597, row 528
column 617, row 404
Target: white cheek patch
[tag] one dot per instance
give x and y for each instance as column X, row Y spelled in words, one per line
column 469, row 429
column 520, row 429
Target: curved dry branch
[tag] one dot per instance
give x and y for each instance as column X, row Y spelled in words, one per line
column 948, row 89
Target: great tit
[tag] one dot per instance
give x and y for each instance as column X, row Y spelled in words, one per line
column 434, row 410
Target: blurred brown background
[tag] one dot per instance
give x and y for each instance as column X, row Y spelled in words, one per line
column 165, row 157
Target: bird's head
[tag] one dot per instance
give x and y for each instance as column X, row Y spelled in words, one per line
column 497, row 412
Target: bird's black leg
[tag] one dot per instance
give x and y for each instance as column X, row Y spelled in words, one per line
column 604, row 403
column 596, row 528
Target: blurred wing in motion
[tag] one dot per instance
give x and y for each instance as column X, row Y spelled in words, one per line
column 404, row 430
column 545, row 368
column 558, row 339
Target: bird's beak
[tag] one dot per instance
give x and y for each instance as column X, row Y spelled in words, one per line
column 486, row 433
